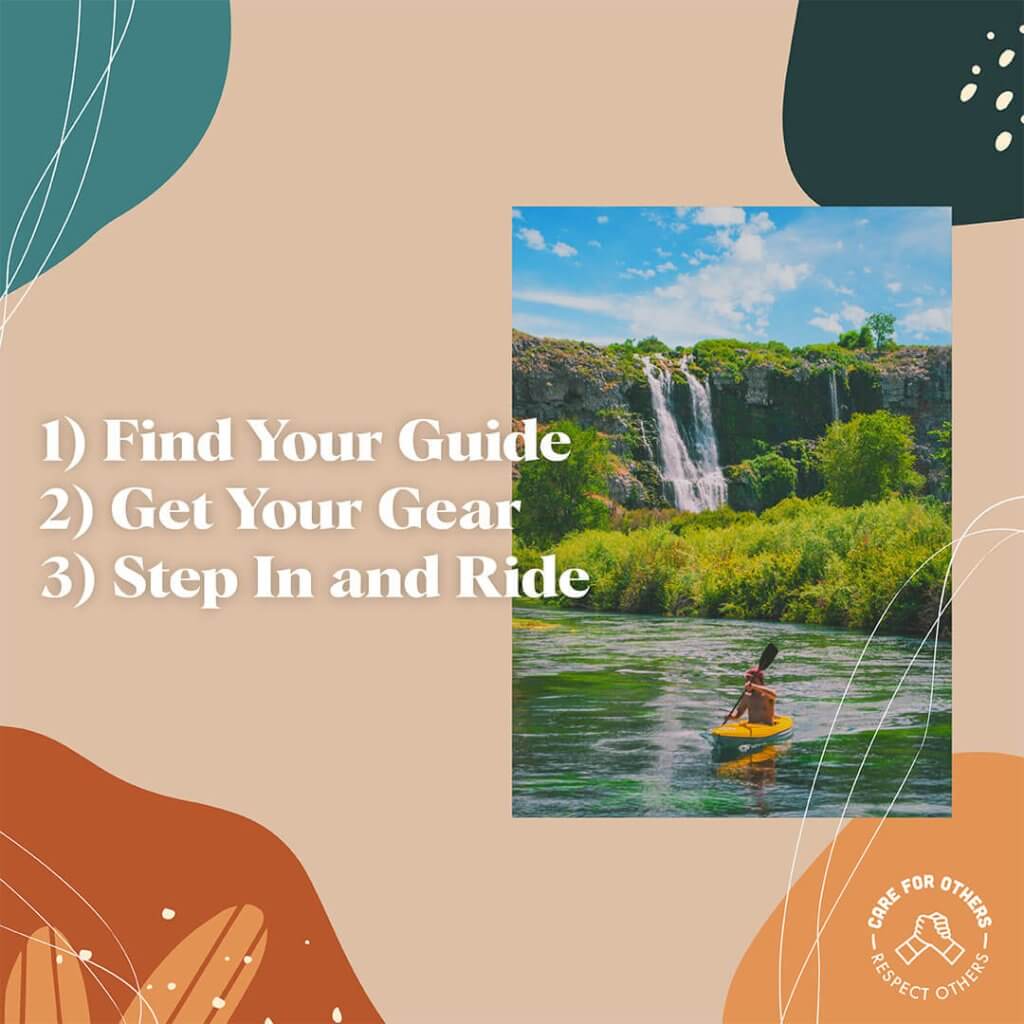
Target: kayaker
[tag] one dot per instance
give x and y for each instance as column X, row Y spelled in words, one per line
column 758, row 700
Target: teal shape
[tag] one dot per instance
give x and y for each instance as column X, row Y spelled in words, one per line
column 164, row 85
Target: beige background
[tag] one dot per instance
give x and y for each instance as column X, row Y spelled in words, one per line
column 337, row 251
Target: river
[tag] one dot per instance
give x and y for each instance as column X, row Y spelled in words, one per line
column 610, row 718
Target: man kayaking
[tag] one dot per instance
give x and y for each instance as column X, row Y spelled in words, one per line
column 733, row 738
column 758, row 700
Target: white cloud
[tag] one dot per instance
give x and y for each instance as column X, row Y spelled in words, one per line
column 594, row 243
column 729, row 293
column 566, row 300
column 828, row 323
column 749, row 247
column 854, row 315
column 663, row 253
column 535, row 240
column 517, row 214
column 835, row 323
column 840, row 288
column 532, row 237
column 720, row 216
column 658, row 216
column 761, row 223
column 895, row 287
column 867, row 270
column 937, row 319
column 861, row 222
column 602, row 219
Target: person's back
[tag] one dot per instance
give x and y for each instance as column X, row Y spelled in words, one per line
column 758, row 700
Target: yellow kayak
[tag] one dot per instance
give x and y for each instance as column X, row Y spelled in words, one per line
column 739, row 737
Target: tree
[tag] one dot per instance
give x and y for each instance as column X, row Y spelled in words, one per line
column 559, row 498
column 869, row 458
column 943, row 454
column 883, row 327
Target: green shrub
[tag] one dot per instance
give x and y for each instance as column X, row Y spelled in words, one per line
column 765, row 480
column 869, row 458
column 799, row 561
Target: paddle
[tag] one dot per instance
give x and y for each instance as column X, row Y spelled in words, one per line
column 768, row 655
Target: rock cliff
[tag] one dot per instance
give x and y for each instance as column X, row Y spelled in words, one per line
column 762, row 397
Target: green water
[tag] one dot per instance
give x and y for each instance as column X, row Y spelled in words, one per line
column 610, row 717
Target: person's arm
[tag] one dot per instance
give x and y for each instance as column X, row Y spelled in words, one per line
column 740, row 708
column 765, row 691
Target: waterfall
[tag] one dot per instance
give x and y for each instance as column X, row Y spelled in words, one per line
column 696, row 480
column 833, row 395
column 711, row 486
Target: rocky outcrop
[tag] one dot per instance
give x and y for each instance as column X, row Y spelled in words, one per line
column 554, row 379
column 759, row 401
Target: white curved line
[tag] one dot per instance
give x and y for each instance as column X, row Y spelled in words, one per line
column 85, row 106
column 52, row 927
column 53, row 174
column 943, row 606
column 968, row 532
column 60, row 878
column 821, row 760
column 105, row 78
column 1013, row 533
column 74, row 953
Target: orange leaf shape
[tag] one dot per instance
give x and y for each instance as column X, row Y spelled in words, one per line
column 205, row 976
column 46, row 985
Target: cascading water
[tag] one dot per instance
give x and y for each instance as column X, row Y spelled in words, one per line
column 696, row 481
column 833, row 394
column 710, row 484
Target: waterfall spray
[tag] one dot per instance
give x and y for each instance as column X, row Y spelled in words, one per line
column 695, row 480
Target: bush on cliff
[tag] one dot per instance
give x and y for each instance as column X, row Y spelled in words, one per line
column 761, row 482
column 869, row 458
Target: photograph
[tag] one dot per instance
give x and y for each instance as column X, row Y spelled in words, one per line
column 758, row 488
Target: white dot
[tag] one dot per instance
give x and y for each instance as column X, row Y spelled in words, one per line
column 171, row 986
column 267, row 1020
column 246, row 959
column 1022, row 118
column 227, row 958
column 60, row 958
column 990, row 35
column 217, row 1003
column 336, row 1015
column 1006, row 58
column 167, row 914
column 1003, row 100
column 85, row 954
column 1003, row 140
column 967, row 92
column 148, row 987
column 975, row 69
column 305, row 942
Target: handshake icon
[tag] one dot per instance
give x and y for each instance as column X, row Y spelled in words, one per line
column 931, row 931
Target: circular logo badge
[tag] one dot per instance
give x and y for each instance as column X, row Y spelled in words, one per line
column 929, row 937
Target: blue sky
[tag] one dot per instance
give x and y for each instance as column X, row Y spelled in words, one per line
column 794, row 274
